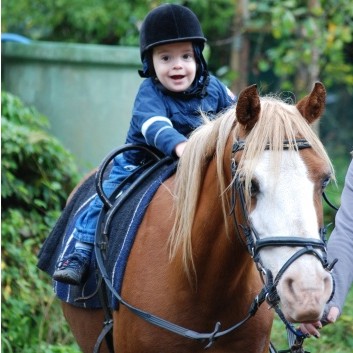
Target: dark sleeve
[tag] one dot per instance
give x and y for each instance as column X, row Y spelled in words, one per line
column 151, row 119
column 340, row 244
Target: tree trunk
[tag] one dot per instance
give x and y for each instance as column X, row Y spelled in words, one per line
column 308, row 75
column 239, row 57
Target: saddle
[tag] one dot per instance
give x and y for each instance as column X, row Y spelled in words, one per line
column 121, row 216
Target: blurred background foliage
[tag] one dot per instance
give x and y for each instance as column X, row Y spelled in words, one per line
column 284, row 34
column 282, row 45
column 37, row 175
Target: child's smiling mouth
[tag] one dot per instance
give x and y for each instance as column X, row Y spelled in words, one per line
column 177, row 77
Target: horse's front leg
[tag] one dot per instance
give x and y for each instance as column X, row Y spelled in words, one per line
column 86, row 325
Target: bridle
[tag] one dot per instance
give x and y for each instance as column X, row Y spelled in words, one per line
column 253, row 243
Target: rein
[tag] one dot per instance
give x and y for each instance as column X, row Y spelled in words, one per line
column 268, row 292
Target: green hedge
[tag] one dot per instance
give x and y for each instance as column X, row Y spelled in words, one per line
column 36, row 177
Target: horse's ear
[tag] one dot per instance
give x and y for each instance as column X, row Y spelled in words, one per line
column 248, row 107
column 313, row 105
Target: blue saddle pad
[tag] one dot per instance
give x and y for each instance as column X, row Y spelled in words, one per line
column 125, row 223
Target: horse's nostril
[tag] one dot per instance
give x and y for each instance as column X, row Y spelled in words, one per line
column 291, row 287
column 290, row 282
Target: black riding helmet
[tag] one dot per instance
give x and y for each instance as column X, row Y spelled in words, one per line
column 170, row 23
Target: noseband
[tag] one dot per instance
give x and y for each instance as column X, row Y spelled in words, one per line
column 254, row 244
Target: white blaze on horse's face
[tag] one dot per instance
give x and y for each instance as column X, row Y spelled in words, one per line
column 287, row 208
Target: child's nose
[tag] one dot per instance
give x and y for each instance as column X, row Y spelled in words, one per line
column 177, row 64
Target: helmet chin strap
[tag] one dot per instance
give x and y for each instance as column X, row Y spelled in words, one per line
column 144, row 72
column 147, row 66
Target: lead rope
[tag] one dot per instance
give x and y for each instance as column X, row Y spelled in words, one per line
column 295, row 337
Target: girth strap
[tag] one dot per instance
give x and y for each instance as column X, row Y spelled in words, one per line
column 104, row 333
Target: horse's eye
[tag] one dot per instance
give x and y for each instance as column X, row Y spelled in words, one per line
column 325, row 182
column 254, row 188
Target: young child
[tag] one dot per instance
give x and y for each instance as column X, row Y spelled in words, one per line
column 165, row 112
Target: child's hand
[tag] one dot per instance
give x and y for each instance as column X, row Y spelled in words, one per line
column 179, row 149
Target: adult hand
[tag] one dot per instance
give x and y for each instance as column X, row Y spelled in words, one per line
column 314, row 327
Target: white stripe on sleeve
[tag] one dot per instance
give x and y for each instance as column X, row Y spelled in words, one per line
column 152, row 120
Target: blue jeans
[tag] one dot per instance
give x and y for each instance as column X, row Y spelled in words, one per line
column 86, row 224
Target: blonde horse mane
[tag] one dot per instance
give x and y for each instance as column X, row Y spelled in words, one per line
column 278, row 121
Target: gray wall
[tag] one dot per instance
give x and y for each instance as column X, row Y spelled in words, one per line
column 86, row 91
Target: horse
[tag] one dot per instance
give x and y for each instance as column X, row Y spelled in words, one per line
column 243, row 212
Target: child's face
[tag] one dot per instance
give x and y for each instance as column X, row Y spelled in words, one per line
column 175, row 65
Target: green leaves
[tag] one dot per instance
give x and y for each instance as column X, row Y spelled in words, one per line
column 33, row 161
column 83, row 21
column 37, row 175
column 303, row 35
column 17, row 113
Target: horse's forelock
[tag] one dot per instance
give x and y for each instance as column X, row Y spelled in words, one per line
column 278, row 121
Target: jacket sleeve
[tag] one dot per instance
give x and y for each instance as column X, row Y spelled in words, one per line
column 151, row 119
column 340, row 244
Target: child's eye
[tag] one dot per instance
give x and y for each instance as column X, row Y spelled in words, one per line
column 165, row 58
column 187, row 56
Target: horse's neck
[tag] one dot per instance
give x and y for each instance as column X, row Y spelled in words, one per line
column 220, row 258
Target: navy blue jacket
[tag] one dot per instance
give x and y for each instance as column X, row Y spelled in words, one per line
column 163, row 121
